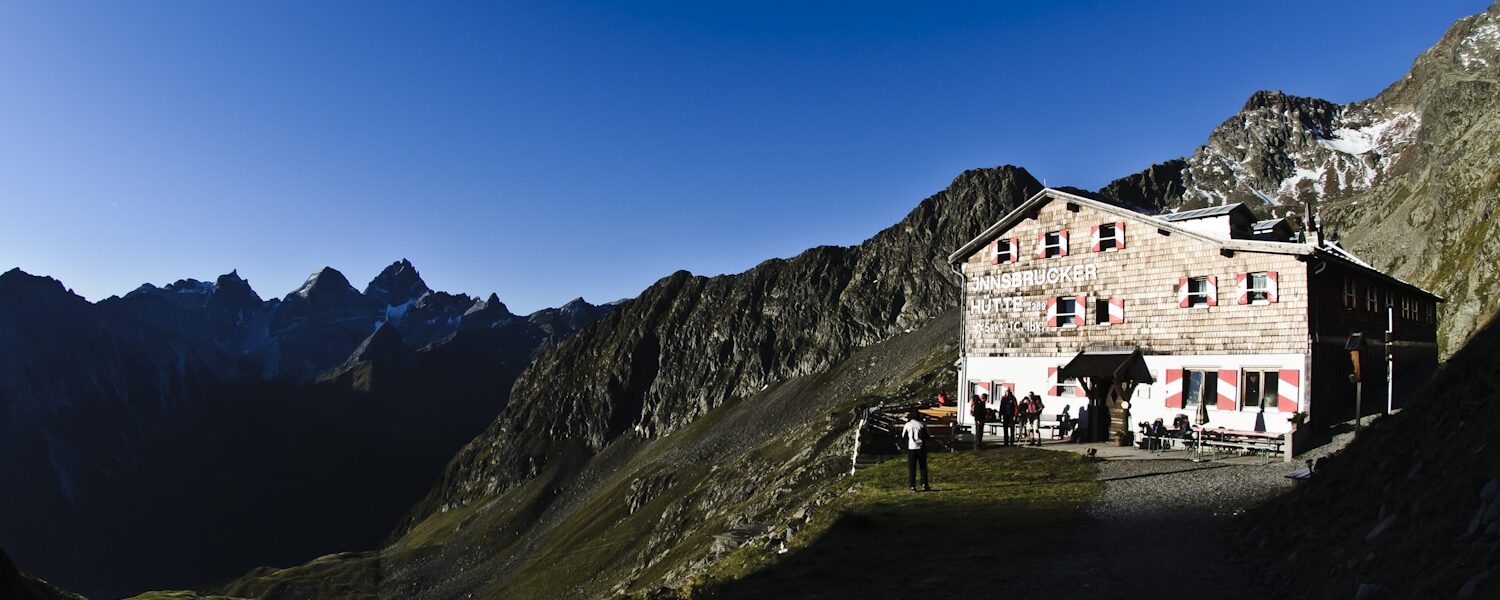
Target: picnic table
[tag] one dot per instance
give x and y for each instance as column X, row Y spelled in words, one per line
column 1220, row 439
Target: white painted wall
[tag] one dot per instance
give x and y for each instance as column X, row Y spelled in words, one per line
column 1030, row 374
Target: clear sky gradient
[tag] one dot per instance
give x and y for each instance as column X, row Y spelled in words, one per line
column 548, row 150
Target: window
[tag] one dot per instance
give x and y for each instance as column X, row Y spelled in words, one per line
column 1005, row 251
column 1068, row 311
column 1350, row 297
column 1390, row 299
column 1406, row 309
column 1200, row 386
column 1258, row 286
column 1199, row 292
column 1066, row 387
column 1258, row 389
column 1110, row 237
column 1372, row 302
column 1054, row 244
column 1109, row 311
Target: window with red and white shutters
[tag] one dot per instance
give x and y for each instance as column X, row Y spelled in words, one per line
column 1004, row 251
column 1107, row 237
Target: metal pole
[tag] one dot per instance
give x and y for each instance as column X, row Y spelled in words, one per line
column 1390, row 357
column 1359, row 396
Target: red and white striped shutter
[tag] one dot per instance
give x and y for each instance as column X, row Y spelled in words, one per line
column 1120, row 235
column 1095, row 246
column 1272, row 291
column 1287, row 390
column 1015, row 250
column 1213, row 290
column 1052, row 378
column 1078, row 303
column 1062, row 236
column 1051, row 311
column 1242, row 293
column 981, row 387
column 1182, row 292
column 1116, row 311
column 1009, row 386
column 1229, row 388
column 1041, row 245
column 995, row 252
column 1174, row 388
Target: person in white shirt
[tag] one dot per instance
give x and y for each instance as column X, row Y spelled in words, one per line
column 914, row 434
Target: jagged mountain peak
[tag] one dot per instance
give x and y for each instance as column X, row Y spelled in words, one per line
column 1281, row 101
column 18, row 281
column 231, row 283
column 398, row 284
column 326, row 280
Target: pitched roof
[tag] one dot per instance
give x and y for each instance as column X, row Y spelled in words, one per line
column 1267, row 225
column 1212, row 211
column 1327, row 250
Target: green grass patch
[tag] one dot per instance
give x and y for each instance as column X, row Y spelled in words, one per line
column 1015, row 504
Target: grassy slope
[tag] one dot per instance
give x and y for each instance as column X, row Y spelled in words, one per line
column 983, row 504
column 570, row 533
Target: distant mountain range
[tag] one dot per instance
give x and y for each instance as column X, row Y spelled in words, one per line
column 707, row 413
column 228, row 431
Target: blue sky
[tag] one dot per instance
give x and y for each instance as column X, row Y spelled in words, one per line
column 548, row 150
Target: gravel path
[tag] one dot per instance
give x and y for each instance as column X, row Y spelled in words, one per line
column 1160, row 529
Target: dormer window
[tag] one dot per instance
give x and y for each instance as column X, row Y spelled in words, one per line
column 1052, row 244
column 1109, row 237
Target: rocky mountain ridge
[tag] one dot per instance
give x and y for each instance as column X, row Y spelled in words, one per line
column 689, row 344
column 1407, row 178
column 115, row 415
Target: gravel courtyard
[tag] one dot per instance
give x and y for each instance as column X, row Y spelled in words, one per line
column 1160, row 528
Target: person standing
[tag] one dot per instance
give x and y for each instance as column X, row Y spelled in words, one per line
column 1034, row 419
column 1008, row 417
column 976, row 410
column 914, row 433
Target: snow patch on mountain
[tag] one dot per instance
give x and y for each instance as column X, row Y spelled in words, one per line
column 1484, row 39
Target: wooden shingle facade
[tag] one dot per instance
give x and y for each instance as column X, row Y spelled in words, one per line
column 1246, row 326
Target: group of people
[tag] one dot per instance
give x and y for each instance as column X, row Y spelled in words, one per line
column 1027, row 412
